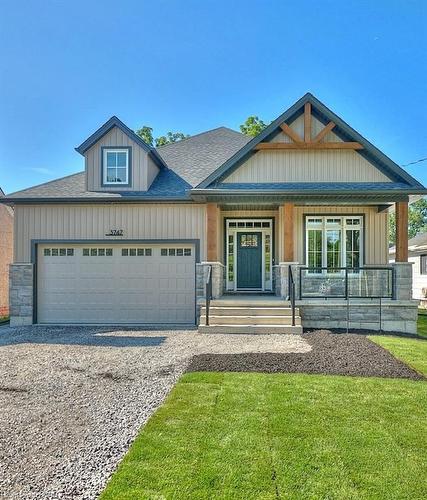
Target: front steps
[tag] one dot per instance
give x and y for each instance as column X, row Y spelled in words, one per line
column 246, row 314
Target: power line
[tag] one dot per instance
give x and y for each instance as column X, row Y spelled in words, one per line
column 414, row 162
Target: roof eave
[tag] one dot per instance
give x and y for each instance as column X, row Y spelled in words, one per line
column 124, row 199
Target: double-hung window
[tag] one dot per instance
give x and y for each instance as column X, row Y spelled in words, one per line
column 116, row 166
column 333, row 242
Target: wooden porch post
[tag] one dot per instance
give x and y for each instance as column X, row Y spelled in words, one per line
column 402, row 231
column 288, row 232
column 212, row 232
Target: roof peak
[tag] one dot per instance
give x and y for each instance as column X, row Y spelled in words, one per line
column 222, row 127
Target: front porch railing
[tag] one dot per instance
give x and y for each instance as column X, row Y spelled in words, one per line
column 291, row 289
column 346, row 282
column 208, row 293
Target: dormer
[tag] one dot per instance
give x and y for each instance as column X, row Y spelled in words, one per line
column 116, row 159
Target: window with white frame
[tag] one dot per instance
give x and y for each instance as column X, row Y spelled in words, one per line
column 333, row 242
column 116, row 166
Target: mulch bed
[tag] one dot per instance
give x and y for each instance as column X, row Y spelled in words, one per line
column 332, row 354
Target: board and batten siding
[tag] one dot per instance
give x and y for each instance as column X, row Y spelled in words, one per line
column 144, row 170
column 91, row 222
column 419, row 281
column 307, row 166
column 375, row 230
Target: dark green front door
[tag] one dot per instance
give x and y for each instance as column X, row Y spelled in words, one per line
column 249, row 260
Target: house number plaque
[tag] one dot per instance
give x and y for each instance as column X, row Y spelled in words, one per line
column 115, row 232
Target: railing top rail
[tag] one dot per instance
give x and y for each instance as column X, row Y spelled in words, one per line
column 337, row 268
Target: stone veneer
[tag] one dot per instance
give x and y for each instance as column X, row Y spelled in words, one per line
column 399, row 315
column 21, row 294
column 217, row 279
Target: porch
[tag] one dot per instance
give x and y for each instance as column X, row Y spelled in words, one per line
column 251, row 250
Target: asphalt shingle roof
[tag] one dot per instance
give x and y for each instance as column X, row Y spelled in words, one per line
column 189, row 162
column 200, row 155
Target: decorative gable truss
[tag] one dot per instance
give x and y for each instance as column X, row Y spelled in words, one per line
column 306, row 126
column 308, row 142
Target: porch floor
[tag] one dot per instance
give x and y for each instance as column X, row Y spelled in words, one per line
column 261, row 300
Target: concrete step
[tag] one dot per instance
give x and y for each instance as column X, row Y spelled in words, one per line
column 247, row 301
column 251, row 329
column 248, row 320
column 248, row 311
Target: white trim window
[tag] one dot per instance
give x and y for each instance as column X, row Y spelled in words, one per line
column 116, row 166
column 333, row 242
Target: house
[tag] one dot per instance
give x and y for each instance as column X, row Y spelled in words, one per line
column 6, row 255
column 417, row 250
column 138, row 235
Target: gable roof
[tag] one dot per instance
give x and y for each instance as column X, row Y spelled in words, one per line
column 417, row 243
column 198, row 156
column 166, row 186
column 341, row 129
column 115, row 122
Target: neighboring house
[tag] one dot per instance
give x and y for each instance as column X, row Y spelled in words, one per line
column 417, row 249
column 6, row 254
column 132, row 238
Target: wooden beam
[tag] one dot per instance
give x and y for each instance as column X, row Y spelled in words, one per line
column 310, row 145
column 212, row 232
column 288, row 232
column 324, row 131
column 291, row 133
column 307, row 122
column 402, row 231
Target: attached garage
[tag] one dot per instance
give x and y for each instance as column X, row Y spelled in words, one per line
column 116, row 283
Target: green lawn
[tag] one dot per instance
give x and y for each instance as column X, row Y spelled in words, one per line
column 267, row 436
column 422, row 323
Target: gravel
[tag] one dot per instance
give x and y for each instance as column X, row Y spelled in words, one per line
column 331, row 354
column 73, row 398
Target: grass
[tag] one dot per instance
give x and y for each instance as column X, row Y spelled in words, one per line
column 422, row 322
column 412, row 351
column 291, row 436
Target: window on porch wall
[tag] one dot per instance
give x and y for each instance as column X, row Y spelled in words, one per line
column 326, row 246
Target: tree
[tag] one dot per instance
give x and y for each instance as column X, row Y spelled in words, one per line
column 170, row 137
column 146, row 134
column 417, row 220
column 252, row 126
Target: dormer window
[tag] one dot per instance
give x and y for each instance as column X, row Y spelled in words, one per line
column 116, row 166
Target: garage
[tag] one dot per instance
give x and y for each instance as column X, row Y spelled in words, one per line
column 116, row 284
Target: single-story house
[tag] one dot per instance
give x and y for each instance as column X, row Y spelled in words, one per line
column 143, row 234
column 417, row 251
column 6, row 254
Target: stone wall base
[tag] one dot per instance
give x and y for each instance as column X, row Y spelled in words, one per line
column 21, row 294
column 217, row 279
column 396, row 316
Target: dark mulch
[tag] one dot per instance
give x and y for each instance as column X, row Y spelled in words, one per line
column 332, row 354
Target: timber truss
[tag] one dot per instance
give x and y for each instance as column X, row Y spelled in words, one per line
column 308, row 142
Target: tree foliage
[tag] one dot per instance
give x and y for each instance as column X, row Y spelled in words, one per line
column 170, row 137
column 417, row 220
column 146, row 134
column 252, row 126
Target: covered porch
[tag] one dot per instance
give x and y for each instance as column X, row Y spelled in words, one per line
column 337, row 254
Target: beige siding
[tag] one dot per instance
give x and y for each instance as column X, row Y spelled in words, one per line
column 138, row 221
column 142, row 173
column 307, row 166
column 152, row 171
column 375, row 231
column 419, row 281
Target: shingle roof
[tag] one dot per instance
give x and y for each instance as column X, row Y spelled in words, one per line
column 200, row 155
column 189, row 162
column 314, row 186
column 417, row 243
column 167, row 185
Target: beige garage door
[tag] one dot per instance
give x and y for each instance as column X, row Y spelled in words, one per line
column 107, row 283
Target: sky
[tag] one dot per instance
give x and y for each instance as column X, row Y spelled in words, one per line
column 190, row 66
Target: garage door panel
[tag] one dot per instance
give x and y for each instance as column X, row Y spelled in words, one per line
column 133, row 285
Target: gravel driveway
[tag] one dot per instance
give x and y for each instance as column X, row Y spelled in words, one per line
column 73, row 398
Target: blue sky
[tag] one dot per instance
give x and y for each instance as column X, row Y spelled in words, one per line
column 67, row 66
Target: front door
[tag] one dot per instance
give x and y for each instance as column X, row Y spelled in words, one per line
column 249, row 260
